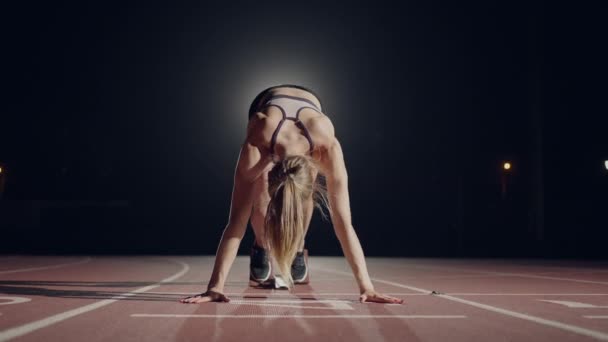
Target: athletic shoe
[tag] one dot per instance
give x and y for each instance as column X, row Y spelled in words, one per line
column 260, row 267
column 299, row 268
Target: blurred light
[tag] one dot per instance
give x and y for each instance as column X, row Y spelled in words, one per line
column 506, row 166
column 1, row 169
column 293, row 62
column 606, row 164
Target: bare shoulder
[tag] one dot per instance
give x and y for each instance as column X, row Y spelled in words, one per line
column 322, row 131
column 257, row 128
column 329, row 150
column 252, row 163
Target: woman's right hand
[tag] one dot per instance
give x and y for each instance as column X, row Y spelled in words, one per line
column 207, row 296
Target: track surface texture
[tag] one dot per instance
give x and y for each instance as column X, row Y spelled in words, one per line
column 136, row 298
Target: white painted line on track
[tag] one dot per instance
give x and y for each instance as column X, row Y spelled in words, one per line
column 512, row 274
column 298, row 304
column 533, row 276
column 295, row 295
column 24, row 329
column 597, row 317
column 301, row 316
column 574, row 305
column 14, row 300
column 546, row 270
column 547, row 322
column 579, row 272
column 87, row 259
column 525, row 294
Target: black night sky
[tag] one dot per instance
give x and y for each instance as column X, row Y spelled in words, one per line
column 122, row 124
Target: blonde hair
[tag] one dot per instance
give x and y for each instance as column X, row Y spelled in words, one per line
column 290, row 184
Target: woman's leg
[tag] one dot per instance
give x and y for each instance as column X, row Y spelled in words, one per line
column 308, row 209
column 260, row 204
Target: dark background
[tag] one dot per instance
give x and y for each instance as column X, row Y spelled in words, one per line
column 122, row 124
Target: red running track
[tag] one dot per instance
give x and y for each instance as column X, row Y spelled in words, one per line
column 135, row 298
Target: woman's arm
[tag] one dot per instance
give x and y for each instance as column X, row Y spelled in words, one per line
column 337, row 188
column 251, row 164
column 334, row 168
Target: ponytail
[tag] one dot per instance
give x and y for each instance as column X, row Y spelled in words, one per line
column 290, row 184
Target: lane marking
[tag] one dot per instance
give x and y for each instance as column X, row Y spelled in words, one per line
column 14, row 300
column 570, row 304
column 510, row 274
column 523, row 275
column 545, row 268
column 300, row 316
column 559, row 325
column 297, row 304
column 87, row 259
column 464, row 276
column 525, row 294
column 579, row 272
column 597, row 317
column 295, row 295
column 45, row 322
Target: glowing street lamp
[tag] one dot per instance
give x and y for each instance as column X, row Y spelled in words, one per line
column 506, row 166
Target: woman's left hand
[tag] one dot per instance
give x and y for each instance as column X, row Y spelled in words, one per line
column 373, row 296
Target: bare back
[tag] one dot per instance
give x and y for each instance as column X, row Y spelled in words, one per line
column 292, row 138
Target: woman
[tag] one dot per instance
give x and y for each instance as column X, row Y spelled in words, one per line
column 290, row 143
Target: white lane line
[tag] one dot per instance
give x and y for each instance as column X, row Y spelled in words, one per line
column 14, row 300
column 300, row 316
column 524, row 275
column 574, row 305
column 87, row 259
column 511, row 274
column 525, row 294
column 597, row 317
column 545, row 270
column 579, row 272
column 295, row 295
column 45, row 322
column 555, row 324
column 298, row 304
